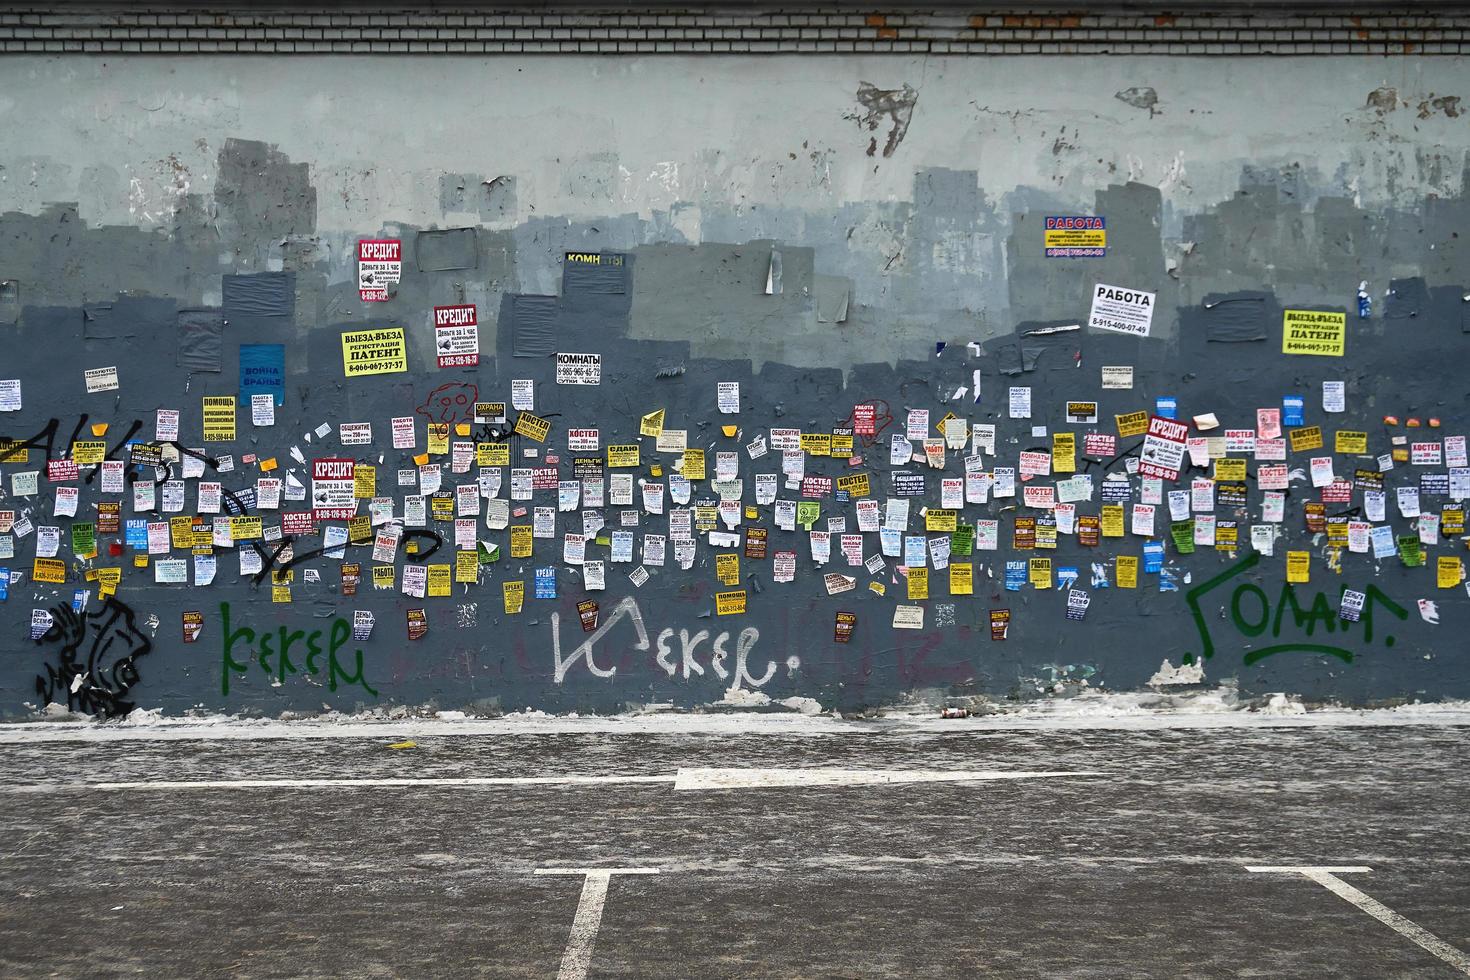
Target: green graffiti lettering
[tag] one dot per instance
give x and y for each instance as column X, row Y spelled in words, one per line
column 1376, row 595
column 340, row 636
column 230, row 665
column 272, row 652
column 1253, row 656
column 263, row 654
column 1252, row 613
column 1249, row 628
column 353, row 678
column 1304, row 619
column 313, row 650
column 341, row 633
column 1193, row 596
column 285, row 661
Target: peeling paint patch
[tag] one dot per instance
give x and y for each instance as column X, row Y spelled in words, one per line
column 896, row 104
column 260, row 195
column 1383, row 99
column 1140, row 97
column 493, row 198
column 1448, row 105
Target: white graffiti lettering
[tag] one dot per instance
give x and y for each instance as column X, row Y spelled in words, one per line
column 688, row 645
column 628, row 607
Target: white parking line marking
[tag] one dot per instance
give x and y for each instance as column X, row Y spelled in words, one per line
column 1326, row 877
column 578, row 955
column 683, row 780
column 390, row 781
column 1340, row 869
column 691, row 779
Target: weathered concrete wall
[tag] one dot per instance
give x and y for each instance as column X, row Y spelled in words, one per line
column 813, row 229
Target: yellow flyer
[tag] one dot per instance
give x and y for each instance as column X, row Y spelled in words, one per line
column 219, row 418
column 492, row 454
column 816, row 443
column 181, row 531
column 364, row 482
column 1132, row 424
column 1230, row 470
column 1298, row 566
column 652, row 424
column 520, row 541
column 441, row 508
column 693, row 464
column 246, row 528
column 14, row 451
column 729, row 603
column 1448, row 572
column 1074, row 236
column 1227, row 535
column 532, row 426
column 88, row 453
column 380, row 351
column 961, row 578
column 108, row 580
column 440, row 584
column 1126, row 571
column 727, row 569
column 1305, row 439
column 1313, row 332
column 514, row 594
column 1064, row 452
column 49, row 570
column 918, row 582
column 1040, row 569
column 939, row 519
column 622, row 456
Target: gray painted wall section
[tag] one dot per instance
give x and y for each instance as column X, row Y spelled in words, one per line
column 140, row 184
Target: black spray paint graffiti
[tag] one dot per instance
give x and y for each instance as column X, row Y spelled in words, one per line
column 236, row 507
column 410, row 534
column 1252, row 613
column 97, row 658
column 45, row 440
column 11, row 449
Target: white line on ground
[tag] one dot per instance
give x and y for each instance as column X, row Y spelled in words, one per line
column 595, row 871
column 578, row 956
column 683, row 780
column 692, row 779
column 1325, row 877
column 1302, row 869
column 387, row 781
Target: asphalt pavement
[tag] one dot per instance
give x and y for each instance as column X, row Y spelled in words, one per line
column 741, row 855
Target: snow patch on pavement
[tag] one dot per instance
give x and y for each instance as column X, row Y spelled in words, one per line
column 752, row 713
column 1168, row 675
column 739, row 697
